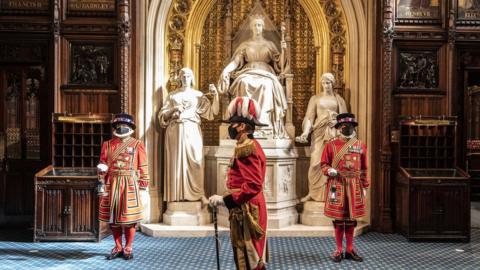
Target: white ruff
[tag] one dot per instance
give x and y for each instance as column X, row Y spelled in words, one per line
column 121, row 136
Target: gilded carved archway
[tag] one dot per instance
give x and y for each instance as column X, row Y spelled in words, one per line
column 317, row 30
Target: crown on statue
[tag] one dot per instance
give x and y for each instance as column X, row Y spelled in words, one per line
column 257, row 17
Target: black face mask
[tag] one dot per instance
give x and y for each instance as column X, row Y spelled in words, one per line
column 122, row 130
column 347, row 130
column 232, row 132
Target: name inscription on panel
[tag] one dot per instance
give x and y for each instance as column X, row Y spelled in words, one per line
column 472, row 14
column 25, row 4
column 91, row 5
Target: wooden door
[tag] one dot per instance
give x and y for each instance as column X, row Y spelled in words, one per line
column 83, row 221
column 24, row 139
column 52, row 208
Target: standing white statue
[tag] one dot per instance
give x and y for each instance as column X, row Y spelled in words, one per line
column 184, row 163
column 253, row 69
column 320, row 119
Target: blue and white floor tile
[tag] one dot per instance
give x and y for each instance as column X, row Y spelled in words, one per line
column 380, row 251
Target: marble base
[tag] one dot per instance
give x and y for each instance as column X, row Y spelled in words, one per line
column 186, row 214
column 313, row 214
column 297, row 230
column 280, row 179
column 163, row 230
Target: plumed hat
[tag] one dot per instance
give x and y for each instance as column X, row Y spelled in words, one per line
column 346, row 118
column 244, row 110
column 123, row 118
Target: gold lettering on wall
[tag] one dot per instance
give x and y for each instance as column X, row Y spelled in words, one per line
column 25, row 4
column 91, row 5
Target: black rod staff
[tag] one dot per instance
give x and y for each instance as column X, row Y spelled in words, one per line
column 217, row 242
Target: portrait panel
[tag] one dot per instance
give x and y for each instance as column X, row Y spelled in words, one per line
column 418, row 11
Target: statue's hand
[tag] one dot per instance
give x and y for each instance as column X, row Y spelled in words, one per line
column 283, row 44
column 175, row 112
column 213, row 90
column 332, row 123
column 302, row 138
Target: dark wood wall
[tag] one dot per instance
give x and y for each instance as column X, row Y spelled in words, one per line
column 84, row 49
column 422, row 70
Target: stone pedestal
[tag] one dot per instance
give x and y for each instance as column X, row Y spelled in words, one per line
column 313, row 214
column 186, row 214
column 279, row 188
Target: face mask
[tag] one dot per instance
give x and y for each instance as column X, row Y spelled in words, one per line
column 122, row 130
column 232, row 132
column 347, row 130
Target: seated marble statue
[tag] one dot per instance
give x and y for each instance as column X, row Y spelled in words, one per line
column 320, row 119
column 253, row 68
column 184, row 162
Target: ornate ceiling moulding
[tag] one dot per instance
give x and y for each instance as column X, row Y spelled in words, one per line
column 25, row 27
column 89, row 28
column 420, row 35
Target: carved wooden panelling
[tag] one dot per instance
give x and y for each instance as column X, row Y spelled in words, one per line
column 92, row 64
column 53, row 202
column 83, row 214
column 91, row 7
column 468, row 12
column 418, row 11
column 417, row 70
column 90, row 101
column 214, row 55
column 23, row 52
column 24, row 6
column 419, row 105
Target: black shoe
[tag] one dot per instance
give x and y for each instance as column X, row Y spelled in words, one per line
column 353, row 256
column 128, row 254
column 114, row 254
column 337, row 256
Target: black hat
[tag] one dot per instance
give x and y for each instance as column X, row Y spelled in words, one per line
column 244, row 110
column 123, row 118
column 346, row 118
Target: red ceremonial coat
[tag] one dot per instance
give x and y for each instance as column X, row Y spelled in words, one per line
column 351, row 178
column 246, row 204
column 127, row 173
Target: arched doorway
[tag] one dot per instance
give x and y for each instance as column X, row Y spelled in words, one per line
column 340, row 31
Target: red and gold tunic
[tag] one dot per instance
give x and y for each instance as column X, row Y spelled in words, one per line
column 349, row 158
column 246, row 204
column 127, row 173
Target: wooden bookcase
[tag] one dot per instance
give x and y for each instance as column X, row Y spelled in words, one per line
column 66, row 201
column 432, row 196
column 76, row 140
column 427, row 143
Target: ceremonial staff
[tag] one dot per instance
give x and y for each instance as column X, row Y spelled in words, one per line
column 217, row 242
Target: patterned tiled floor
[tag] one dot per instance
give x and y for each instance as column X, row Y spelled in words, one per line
column 381, row 251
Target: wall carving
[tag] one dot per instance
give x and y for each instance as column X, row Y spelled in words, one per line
column 417, row 70
column 213, row 53
column 337, row 26
column 92, row 64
